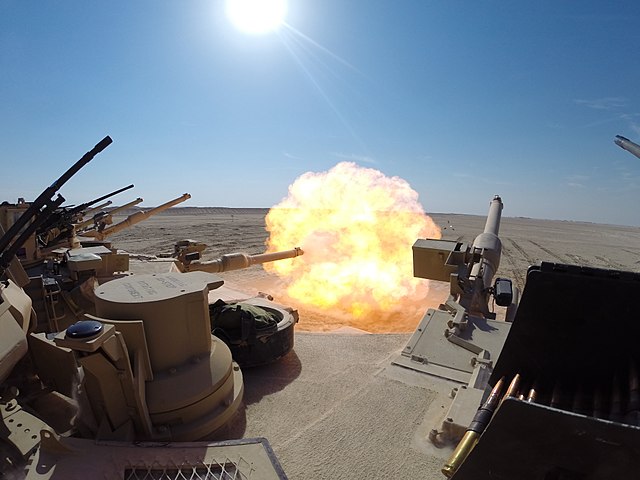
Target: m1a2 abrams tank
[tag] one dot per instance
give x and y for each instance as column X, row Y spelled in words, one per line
column 141, row 366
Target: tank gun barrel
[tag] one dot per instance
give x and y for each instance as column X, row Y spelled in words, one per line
column 628, row 145
column 237, row 261
column 139, row 217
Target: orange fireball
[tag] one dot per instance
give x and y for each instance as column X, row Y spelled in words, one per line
column 356, row 226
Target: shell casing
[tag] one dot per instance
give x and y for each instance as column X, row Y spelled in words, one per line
column 461, row 452
column 471, row 436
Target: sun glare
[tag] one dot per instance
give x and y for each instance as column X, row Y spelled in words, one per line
column 257, row 16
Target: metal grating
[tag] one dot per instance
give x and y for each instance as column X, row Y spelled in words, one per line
column 229, row 470
column 244, row 459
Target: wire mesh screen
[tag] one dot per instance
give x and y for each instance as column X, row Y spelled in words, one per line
column 228, row 470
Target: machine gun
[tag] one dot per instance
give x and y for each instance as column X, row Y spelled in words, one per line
column 461, row 340
column 102, row 233
column 97, row 208
column 627, row 145
column 552, row 412
column 41, row 209
column 62, row 220
column 101, row 219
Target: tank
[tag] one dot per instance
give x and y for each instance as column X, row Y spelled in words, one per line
column 137, row 359
column 504, row 378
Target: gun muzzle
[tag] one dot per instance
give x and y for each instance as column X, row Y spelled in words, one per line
column 628, row 145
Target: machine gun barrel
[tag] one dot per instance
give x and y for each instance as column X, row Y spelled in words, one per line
column 92, row 210
column 627, row 144
column 237, row 261
column 138, row 217
column 41, row 208
column 84, row 206
column 121, row 208
column 492, row 225
column 489, row 242
column 45, row 197
column 63, row 218
column 95, row 219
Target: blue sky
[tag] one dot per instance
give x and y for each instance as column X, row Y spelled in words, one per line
column 464, row 100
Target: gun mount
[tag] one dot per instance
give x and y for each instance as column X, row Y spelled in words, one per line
column 61, row 224
column 627, row 145
column 461, row 340
column 552, row 412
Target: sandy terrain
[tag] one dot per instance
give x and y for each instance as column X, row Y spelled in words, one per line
column 336, row 407
column 525, row 242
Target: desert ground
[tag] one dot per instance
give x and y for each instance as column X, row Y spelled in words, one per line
column 525, row 242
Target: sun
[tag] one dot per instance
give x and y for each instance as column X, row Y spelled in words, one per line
column 257, row 16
